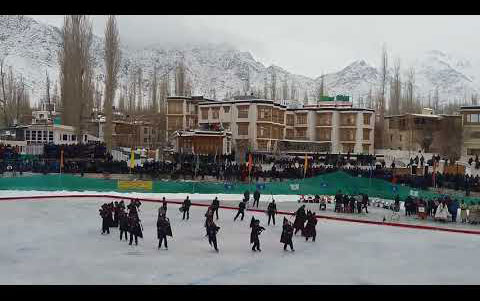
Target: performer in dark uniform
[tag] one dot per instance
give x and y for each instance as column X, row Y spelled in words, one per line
column 164, row 229
column 241, row 210
column 254, row 235
column 271, row 211
column 287, row 235
column 212, row 231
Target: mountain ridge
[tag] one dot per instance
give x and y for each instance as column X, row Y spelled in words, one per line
column 219, row 70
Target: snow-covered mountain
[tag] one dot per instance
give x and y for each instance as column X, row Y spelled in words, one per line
column 216, row 71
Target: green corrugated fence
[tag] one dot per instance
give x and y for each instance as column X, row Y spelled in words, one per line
column 327, row 184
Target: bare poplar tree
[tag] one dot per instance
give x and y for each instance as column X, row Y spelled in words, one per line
column 285, row 88
column 321, row 88
column 293, row 90
column 410, row 90
column 180, row 79
column 112, row 66
column 76, row 71
column 153, row 91
column 396, row 89
column 139, row 81
column 265, row 87
column 380, row 105
column 273, row 86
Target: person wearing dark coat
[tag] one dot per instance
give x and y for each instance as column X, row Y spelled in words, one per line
column 246, row 195
column 123, row 224
column 208, row 217
column 271, row 211
column 241, row 210
column 164, row 205
column 104, row 214
column 365, row 202
column 110, row 210
column 215, row 206
column 287, row 235
column 254, row 235
column 454, row 210
column 359, row 205
column 163, row 230
column 256, row 198
column 186, row 207
column 132, row 208
column 310, row 230
column 212, row 231
column 300, row 217
column 135, row 229
column 116, row 210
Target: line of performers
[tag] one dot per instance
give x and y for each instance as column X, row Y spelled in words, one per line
column 114, row 215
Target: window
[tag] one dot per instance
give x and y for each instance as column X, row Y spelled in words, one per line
column 290, row 119
column 215, row 113
column 175, row 107
column 243, row 111
column 204, row 113
column 347, row 134
column 226, row 126
column 145, row 131
column 302, row 119
column 263, row 131
column 391, row 138
column 74, row 138
column 50, row 136
column 348, row 147
column 366, row 119
column 473, row 118
column 243, row 129
column 145, row 140
column 27, row 135
column 34, row 135
column 264, row 113
column 347, row 119
column 365, row 148
column 324, row 119
column 400, row 137
column 289, row 134
column 301, row 133
column 64, row 137
column 44, row 135
column 366, row 134
column 324, row 134
column 226, row 109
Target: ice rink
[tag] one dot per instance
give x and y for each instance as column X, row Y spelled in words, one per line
column 59, row 242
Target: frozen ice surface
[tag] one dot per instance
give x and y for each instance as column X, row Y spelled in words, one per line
column 59, row 242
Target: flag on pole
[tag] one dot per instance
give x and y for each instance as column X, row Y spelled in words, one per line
column 132, row 159
column 305, row 166
column 250, row 162
column 61, row 160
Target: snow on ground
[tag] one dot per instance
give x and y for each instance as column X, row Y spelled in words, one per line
column 59, row 242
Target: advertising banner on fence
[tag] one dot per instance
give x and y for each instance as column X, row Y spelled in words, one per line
column 142, row 185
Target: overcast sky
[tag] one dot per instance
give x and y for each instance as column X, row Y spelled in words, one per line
column 307, row 45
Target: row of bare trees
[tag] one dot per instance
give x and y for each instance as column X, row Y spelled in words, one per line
column 14, row 97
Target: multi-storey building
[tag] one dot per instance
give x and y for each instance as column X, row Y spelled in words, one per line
column 471, row 130
column 415, row 132
column 266, row 125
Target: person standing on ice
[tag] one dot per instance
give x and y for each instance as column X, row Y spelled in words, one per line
column 241, row 210
column 212, row 231
column 271, row 211
column 209, row 217
column 254, row 235
column 116, row 210
column 287, row 235
column 463, row 212
column 104, row 214
column 164, row 205
column 135, row 229
column 300, row 217
column 186, row 208
column 215, row 205
column 123, row 224
column 246, row 196
column 310, row 230
column 164, row 229
column 256, row 198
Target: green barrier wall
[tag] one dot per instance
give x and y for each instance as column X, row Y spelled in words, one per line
column 327, row 184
